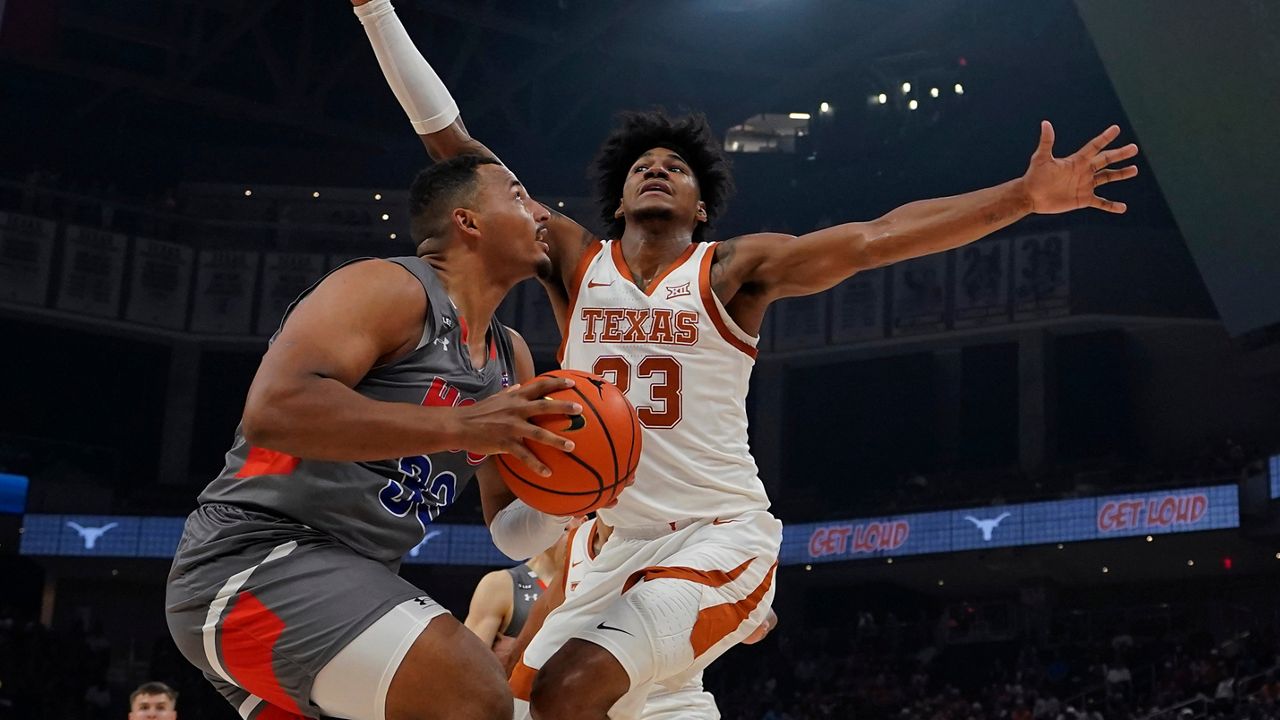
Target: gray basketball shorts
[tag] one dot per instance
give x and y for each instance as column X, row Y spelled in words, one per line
column 261, row 604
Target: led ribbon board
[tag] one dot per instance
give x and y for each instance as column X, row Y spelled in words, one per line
column 1059, row 521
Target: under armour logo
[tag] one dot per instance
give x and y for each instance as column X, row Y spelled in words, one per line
column 987, row 526
column 530, row 598
column 91, row 535
column 417, row 549
column 442, row 342
column 675, row 291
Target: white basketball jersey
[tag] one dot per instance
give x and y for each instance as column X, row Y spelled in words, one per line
column 685, row 365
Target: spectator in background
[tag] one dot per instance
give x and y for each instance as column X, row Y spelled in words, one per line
column 153, row 701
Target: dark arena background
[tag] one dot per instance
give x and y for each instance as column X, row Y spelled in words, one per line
column 1037, row 477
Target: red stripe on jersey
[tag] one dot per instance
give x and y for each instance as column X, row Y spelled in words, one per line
column 262, row 461
column 713, row 310
column 575, row 285
column 248, row 638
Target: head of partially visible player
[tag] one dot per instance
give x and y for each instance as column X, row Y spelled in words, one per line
column 661, row 174
column 153, row 701
column 472, row 205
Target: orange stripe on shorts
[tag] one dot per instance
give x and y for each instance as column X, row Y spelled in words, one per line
column 521, row 680
column 716, row 622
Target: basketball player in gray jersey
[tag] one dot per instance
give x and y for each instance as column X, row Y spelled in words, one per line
column 386, row 386
column 502, row 599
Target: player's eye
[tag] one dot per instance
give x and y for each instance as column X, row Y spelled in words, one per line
column 677, row 168
column 640, row 168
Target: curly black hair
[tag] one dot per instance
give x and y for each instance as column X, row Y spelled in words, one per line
column 638, row 132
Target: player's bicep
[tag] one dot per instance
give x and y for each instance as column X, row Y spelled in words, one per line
column 789, row 266
column 490, row 606
column 360, row 315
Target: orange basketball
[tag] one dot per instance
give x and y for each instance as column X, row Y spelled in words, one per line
column 606, row 439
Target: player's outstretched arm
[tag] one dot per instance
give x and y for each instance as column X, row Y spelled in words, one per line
column 435, row 118
column 302, row 400
column 490, row 608
column 776, row 265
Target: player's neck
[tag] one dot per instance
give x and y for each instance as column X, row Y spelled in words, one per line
column 650, row 247
column 474, row 292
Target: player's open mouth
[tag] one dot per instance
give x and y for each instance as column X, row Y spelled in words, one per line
column 654, row 186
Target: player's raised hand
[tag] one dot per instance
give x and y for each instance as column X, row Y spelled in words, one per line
column 500, row 423
column 1058, row 185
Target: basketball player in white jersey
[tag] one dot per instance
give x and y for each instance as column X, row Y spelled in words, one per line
column 583, row 545
column 688, row 572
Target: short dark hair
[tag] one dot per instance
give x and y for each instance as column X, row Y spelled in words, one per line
column 440, row 188
column 154, row 688
column 638, row 132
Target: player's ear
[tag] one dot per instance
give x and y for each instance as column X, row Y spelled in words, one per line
column 702, row 211
column 467, row 222
column 617, row 214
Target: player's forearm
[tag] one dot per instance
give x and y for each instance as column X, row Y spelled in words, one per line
column 416, row 85
column 322, row 419
column 931, row 226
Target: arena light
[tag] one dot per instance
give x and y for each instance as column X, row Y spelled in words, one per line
column 933, row 92
column 560, row 204
column 913, row 104
column 888, row 561
column 315, row 194
column 1191, row 563
column 392, row 236
column 799, row 116
column 1060, row 546
column 248, row 193
column 824, row 108
column 959, row 89
column 906, row 88
column 386, row 216
column 882, row 98
column 941, row 583
column 1150, row 539
column 1105, row 569
column 808, row 568
column 377, row 196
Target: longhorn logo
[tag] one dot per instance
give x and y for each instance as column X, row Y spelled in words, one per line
column 987, row 526
column 91, row 535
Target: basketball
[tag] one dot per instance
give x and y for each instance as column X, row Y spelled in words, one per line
column 606, row 439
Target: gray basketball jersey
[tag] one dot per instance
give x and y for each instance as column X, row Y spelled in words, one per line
column 525, row 589
column 380, row 509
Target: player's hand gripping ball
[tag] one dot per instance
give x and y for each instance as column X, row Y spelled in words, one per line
column 606, row 439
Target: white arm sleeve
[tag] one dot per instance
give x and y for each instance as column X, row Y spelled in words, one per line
column 521, row 532
column 420, row 91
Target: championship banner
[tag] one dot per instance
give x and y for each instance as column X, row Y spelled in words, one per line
column 857, row 307
column 285, row 276
column 919, row 298
column 1041, row 276
column 801, row 323
column 26, row 258
column 92, row 271
column 160, row 283
column 225, row 282
column 982, row 284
